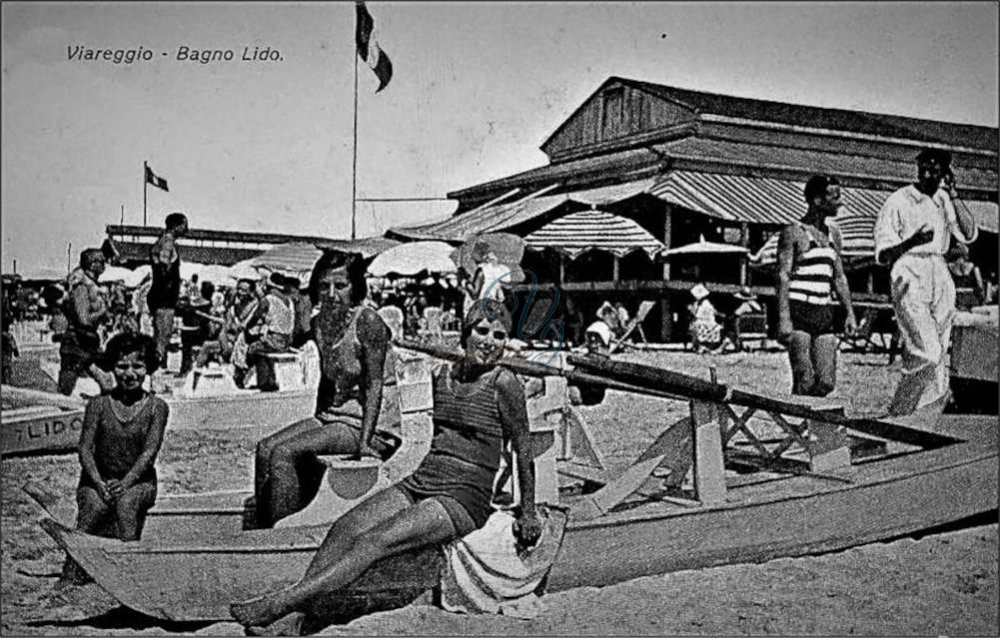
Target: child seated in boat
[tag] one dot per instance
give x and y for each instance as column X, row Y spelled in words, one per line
column 121, row 436
column 357, row 406
column 478, row 406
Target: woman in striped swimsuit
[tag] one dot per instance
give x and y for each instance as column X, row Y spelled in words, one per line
column 809, row 269
column 477, row 406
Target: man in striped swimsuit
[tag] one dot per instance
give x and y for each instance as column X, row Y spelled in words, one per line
column 809, row 268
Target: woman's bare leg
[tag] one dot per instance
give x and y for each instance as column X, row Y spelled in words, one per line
column 262, row 463
column 369, row 513
column 284, row 488
column 420, row 525
column 92, row 513
column 131, row 508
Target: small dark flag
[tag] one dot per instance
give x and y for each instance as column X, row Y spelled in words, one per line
column 369, row 50
column 155, row 180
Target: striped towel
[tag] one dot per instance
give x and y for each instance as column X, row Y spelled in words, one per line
column 485, row 573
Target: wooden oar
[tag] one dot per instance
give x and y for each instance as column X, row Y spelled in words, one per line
column 695, row 388
column 577, row 377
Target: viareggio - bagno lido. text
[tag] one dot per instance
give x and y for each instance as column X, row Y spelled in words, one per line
column 184, row 54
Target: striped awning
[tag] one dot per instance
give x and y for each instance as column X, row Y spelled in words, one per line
column 503, row 216
column 294, row 259
column 857, row 232
column 757, row 200
column 986, row 214
column 586, row 230
column 766, row 200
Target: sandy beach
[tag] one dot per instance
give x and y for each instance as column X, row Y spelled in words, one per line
column 942, row 583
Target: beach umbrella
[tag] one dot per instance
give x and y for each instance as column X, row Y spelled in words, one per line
column 139, row 275
column 586, row 230
column 412, row 258
column 218, row 275
column 702, row 247
column 244, row 270
column 367, row 247
column 45, row 274
column 295, row 259
column 115, row 273
column 508, row 247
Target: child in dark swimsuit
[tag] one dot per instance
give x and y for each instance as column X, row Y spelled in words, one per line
column 122, row 433
column 477, row 406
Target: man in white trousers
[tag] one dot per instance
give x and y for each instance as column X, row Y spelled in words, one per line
column 912, row 235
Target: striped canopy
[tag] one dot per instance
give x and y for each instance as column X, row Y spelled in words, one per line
column 295, row 259
column 858, row 233
column 586, row 230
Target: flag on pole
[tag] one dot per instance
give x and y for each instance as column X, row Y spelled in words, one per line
column 368, row 47
column 155, row 180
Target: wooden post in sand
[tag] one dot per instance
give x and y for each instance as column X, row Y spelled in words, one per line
column 709, row 467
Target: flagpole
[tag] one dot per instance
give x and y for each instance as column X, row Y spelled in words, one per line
column 354, row 157
column 145, row 170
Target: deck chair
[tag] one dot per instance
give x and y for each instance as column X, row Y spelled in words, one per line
column 634, row 324
column 750, row 326
column 867, row 339
column 393, row 316
column 432, row 323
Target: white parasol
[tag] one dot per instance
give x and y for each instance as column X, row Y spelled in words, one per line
column 702, row 247
column 412, row 258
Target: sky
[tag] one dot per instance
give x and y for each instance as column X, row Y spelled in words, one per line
column 267, row 146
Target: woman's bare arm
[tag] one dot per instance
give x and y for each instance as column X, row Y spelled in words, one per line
column 87, row 444
column 374, row 337
column 514, row 420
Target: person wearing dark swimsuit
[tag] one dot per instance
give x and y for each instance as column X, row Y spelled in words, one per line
column 121, row 437
column 477, row 408
column 357, row 405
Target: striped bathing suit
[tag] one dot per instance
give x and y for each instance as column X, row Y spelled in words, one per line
column 810, row 287
column 465, row 453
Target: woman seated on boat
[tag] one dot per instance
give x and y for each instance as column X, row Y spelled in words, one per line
column 121, row 436
column 357, row 407
column 478, row 406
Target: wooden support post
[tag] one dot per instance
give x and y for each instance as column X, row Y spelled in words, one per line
column 709, row 468
column 666, row 319
column 615, row 270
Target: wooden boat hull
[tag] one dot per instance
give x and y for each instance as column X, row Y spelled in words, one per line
column 43, row 428
column 759, row 521
column 35, row 422
column 249, row 409
column 40, row 430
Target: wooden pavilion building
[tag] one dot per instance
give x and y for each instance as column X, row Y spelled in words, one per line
column 680, row 165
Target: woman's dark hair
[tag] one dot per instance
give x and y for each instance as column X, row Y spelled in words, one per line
column 125, row 343
column 356, row 267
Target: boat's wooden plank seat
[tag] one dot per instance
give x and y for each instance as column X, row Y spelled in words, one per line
column 346, row 481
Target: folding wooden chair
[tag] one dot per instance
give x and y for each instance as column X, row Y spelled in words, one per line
column 634, row 324
column 750, row 326
column 864, row 340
